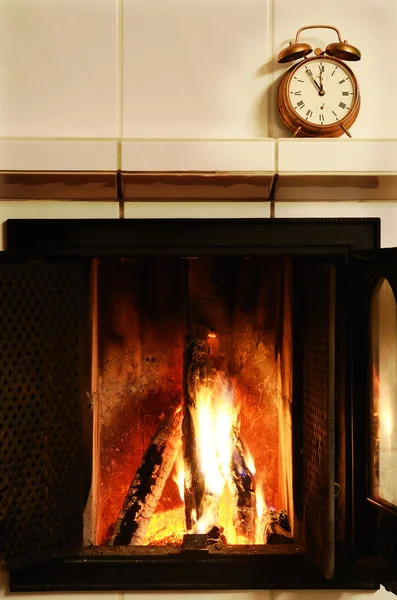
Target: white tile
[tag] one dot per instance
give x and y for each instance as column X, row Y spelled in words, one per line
column 58, row 68
column 29, row 155
column 387, row 211
column 332, row 595
column 198, row 156
column 337, row 156
column 370, row 26
column 196, row 69
column 47, row 209
column 196, row 210
column 215, row 595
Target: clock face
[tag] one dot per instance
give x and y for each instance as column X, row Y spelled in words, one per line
column 321, row 91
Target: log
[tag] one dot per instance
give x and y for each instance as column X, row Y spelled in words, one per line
column 197, row 372
column 148, row 484
column 277, row 529
column 244, row 492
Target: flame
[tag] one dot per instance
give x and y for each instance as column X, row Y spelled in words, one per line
column 179, row 475
column 261, row 509
column 250, row 461
column 216, row 423
column 215, row 417
column 212, row 335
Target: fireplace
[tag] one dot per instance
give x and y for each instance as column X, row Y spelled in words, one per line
column 191, row 394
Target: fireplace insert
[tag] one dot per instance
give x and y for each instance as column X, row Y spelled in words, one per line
column 198, row 404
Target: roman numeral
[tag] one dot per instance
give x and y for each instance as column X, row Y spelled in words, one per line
column 333, row 72
column 300, row 80
column 321, row 118
column 342, row 105
column 321, row 67
column 309, row 113
column 342, row 81
column 345, row 93
column 309, row 71
column 300, row 104
column 297, row 93
column 335, row 115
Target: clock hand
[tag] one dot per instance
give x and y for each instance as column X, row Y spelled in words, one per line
column 310, row 76
column 321, row 92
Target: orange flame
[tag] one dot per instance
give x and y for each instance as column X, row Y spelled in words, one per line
column 261, row 509
column 250, row 461
column 179, row 475
column 215, row 417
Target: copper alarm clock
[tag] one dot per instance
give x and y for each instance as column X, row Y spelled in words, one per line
column 320, row 96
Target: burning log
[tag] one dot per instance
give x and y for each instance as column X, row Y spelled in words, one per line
column 277, row 529
column 148, row 484
column 198, row 372
column 244, row 492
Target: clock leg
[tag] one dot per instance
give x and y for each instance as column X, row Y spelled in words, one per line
column 346, row 130
column 298, row 130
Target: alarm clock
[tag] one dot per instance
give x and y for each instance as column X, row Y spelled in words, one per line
column 319, row 96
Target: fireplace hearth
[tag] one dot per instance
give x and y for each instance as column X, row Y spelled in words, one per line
column 191, row 393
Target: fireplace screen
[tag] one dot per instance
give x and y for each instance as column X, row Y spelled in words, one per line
column 192, row 390
column 177, row 409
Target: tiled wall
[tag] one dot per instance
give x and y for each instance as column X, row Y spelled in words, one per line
column 174, row 84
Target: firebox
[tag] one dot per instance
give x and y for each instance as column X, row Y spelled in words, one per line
column 198, row 404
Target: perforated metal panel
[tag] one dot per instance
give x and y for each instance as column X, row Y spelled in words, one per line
column 40, row 452
column 318, row 337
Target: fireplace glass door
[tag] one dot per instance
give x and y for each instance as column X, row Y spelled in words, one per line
column 384, row 394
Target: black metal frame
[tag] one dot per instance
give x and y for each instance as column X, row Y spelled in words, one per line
column 81, row 239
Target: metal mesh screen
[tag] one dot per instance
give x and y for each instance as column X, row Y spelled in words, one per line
column 40, row 475
column 318, row 324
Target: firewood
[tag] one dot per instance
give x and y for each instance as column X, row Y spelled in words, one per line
column 244, row 492
column 148, row 484
column 277, row 529
column 198, row 372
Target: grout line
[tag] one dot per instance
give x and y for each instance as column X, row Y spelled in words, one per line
column 56, row 139
column 120, row 55
column 199, row 140
column 118, row 156
column 272, row 196
column 270, row 27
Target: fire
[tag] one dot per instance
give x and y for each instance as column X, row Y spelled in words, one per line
column 228, row 474
column 179, row 475
column 261, row 510
column 215, row 418
column 250, row 461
